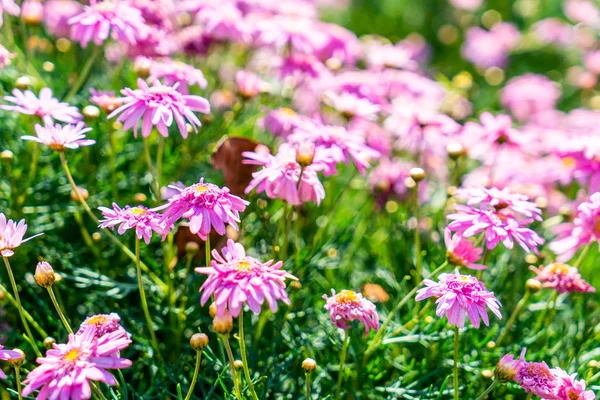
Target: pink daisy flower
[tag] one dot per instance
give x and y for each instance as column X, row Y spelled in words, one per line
column 66, row 370
column 562, row 278
column 235, row 278
column 570, row 388
column 496, row 226
column 347, row 306
column 45, row 107
column 500, row 199
column 206, row 205
column 536, row 378
column 105, row 100
column 104, row 323
column 173, row 71
column 508, row 368
column 140, row 218
column 159, row 105
column 584, row 229
column 459, row 296
column 462, row 252
column 492, row 134
column 8, row 355
column 108, row 17
column 11, row 235
column 61, row 137
column 281, row 173
column 10, row 7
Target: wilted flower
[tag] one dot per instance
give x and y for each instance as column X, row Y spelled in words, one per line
column 45, row 107
column 347, row 306
column 570, row 388
column 459, row 296
column 508, row 368
column 11, row 235
column 206, row 205
column 562, row 278
column 140, row 218
column 108, row 17
column 159, row 105
column 66, row 370
column 8, row 355
column 235, row 278
column 462, row 252
column 61, row 137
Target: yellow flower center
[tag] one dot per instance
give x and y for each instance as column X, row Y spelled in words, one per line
column 137, row 211
column 464, row 279
column 288, row 111
column 346, row 296
column 72, row 355
column 559, row 269
column 97, row 320
column 568, row 162
column 244, row 266
column 201, row 189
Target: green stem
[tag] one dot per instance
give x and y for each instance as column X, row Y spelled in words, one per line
column 307, row 386
column 286, row 234
column 58, row 310
column 488, row 390
column 236, row 384
column 582, row 255
column 112, row 160
column 549, row 304
column 244, row 357
column 418, row 260
column 151, row 169
column 143, row 298
column 280, row 226
column 195, row 377
column 34, row 163
column 456, row 342
column 513, row 318
column 529, row 396
column 342, row 363
column 85, row 71
column 207, row 250
column 28, row 316
column 159, row 163
column 18, row 379
column 20, row 307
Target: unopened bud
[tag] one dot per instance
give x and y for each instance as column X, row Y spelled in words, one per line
column 192, row 247
column 32, row 12
column 309, row 365
column 91, row 112
column 212, row 310
column 142, row 67
column 223, row 324
column 487, row 373
column 23, row 82
column 44, row 274
column 455, row 150
column 17, row 362
column 305, row 153
column 533, row 285
column 417, row 174
column 139, row 197
column 238, row 364
column 82, row 192
column 531, row 259
column 7, row 156
column 49, row 342
column 199, row 341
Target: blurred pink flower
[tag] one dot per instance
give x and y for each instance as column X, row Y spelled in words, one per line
column 570, row 388
column 101, row 19
column 45, row 107
column 57, row 14
column 490, row 48
column 390, row 177
column 105, row 100
column 281, row 173
column 459, row 296
column 470, row 5
column 5, row 57
column 173, row 71
column 584, row 11
column 140, row 218
column 500, row 199
column 554, row 31
column 562, row 278
column 10, row 7
column 591, row 60
column 249, row 84
column 11, row 235
column 350, row 105
column 32, row 11
column 235, row 279
column 302, row 67
column 66, row 370
column 159, row 105
column 462, row 252
column 206, row 205
column 8, row 355
column 283, row 121
column 380, row 55
column 61, row 137
column 347, row 306
column 529, row 94
column 223, row 21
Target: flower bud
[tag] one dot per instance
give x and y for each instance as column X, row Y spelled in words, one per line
column 309, row 365
column 17, row 362
column 142, row 67
column 507, row 369
column 212, row 310
column 91, row 112
column 32, row 12
column 305, row 153
column 7, row 156
column 455, row 150
column 533, row 285
column 417, row 174
column 192, row 247
column 82, row 191
column 44, row 274
column 139, row 197
column 49, row 342
column 199, row 341
column 487, row 373
column 223, row 324
column 23, row 82
column 238, row 364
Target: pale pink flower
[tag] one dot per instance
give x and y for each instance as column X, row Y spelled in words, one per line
column 57, row 14
column 105, row 100
column 5, row 57
column 460, row 296
column 555, row 31
column 101, row 19
column 8, row 355
column 283, row 121
column 173, row 71
column 494, row 133
column 67, row 369
column 206, row 205
column 470, row 5
column 490, row 48
column 236, row 278
column 45, row 107
column 249, row 84
column 570, row 388
column 159, row 105
column 61, row 137
column 462, row 252
column 347, row 306
column 500, row 199
column 140, row 218
column 10, row 7
column 11, row 235
column 528, row 94
column 562, row 278
column 382, row 55
column 350, row 105
column 104, row 323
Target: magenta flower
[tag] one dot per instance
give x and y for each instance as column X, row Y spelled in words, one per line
column 459, row 296
column 508, row 368
column 570, row 388
column 11, row 235
column 109, row 17
column 529, row 94
column 140, row 218
column 66, row 370
column 206, row 205
column 10, row 7
column 496, row 226
column 562, row 278
column 235, row 278
column 347, row 306
column 462, row 252
column 173, row 71
column 61, row 137
column 8, row 355
column 536, row 378
column 46, row 107
column 500, row 199
column 159, row 105
column 281, row 173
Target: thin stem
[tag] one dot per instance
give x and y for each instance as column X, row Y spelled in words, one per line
column 207, row 250
column 550, row 303
column 18, row 379
column 34, row 162
column 418, row 261
column 112, row 160
column 244, row 357
column 154, row 184
column 238, row 392
column 85, row 71
column 97, row 390
column 280, row 227
column 342, row 363
column 582, row 255
column 143, row 298
column 159, row 162
column 195, row 377
column 58, row 310
column 488, row 390
column 307, row 386
column 456, row 342
column 20, row 307
column 529, row 396
column 286, row 234
column 513, row 317
column 28, row 316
